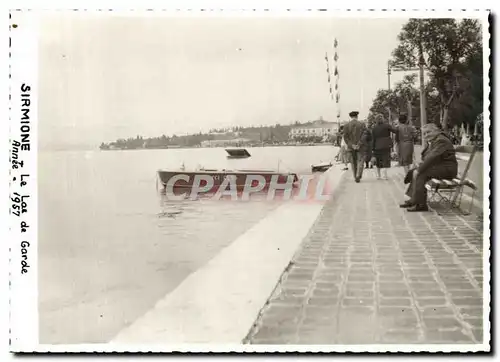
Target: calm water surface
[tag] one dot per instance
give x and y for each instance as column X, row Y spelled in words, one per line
column 110, row 246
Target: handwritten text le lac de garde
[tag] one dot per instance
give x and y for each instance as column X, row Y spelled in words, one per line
column 19, row 200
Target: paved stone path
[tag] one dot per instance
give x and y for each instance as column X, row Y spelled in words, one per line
column 370, row 272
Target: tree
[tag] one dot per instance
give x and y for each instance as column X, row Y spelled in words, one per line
column 407, row 94
column 104, row 146
column 445, row 47
column 386, row 102
column 433, row 103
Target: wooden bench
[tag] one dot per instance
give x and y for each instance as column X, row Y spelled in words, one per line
column 449, row 192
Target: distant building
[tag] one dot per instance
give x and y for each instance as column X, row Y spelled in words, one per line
column 318, row 128
column 223, row 135
column 236, row 142
column 217, row 134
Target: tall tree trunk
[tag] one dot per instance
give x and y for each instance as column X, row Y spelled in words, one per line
column 444, row 120
column 441, row 113
column 410, row 115
column 446, row 110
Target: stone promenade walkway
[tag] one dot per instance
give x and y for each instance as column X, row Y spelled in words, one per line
column 370, row 272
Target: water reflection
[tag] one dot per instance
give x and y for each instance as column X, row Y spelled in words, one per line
column 123, row 245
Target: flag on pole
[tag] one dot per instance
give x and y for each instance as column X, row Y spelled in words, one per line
column 337, row 77
column 335, row 92
column 328, row 75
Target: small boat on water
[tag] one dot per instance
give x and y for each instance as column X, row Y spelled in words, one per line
column 181, row 179
column 237, row 153
column 321, row 167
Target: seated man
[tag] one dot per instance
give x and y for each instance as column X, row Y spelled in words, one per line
column 438, row 161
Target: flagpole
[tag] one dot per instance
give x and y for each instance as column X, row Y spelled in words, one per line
column 337, row 76
column 328, row 73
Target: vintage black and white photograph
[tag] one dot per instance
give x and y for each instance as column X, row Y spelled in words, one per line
column 250, row 181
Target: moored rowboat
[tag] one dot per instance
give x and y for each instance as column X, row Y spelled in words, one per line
column 237, row 153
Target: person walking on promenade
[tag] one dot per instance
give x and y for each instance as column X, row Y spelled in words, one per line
column 354, row 134
column 338, row 138
column 382, row 145
column 368, row 140
column 342, row 156
column 438, row 161
column 405, row 140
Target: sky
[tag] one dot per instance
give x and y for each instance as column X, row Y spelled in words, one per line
column 108, row 77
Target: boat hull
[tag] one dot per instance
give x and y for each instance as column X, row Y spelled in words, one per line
column 243, row 178
column 236, row 157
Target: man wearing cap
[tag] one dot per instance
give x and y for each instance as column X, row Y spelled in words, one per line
column 355, row 134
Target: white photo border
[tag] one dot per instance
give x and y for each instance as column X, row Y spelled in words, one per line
column 24, row 287
column 23, row 236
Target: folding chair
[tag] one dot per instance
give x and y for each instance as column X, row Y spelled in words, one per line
column 449, row 192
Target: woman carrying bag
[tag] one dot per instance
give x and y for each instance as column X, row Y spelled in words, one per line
column 405, row 139
column 382, row 145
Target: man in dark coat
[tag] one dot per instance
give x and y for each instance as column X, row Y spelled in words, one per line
column 355, row 134
column 438, row 161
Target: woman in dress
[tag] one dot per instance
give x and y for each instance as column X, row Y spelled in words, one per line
column 342, row 155
column 382, row 145
column 405, row 140
column 368, row 155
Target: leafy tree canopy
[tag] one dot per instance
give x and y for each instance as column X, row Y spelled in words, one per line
column 451, row 51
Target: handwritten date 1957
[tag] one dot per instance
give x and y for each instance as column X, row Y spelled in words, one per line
column 19, row 206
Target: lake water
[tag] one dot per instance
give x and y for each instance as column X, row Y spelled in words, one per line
column 110, row 246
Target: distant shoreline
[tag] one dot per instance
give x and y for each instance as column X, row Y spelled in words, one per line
column 230, row 146
column 93, row 148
